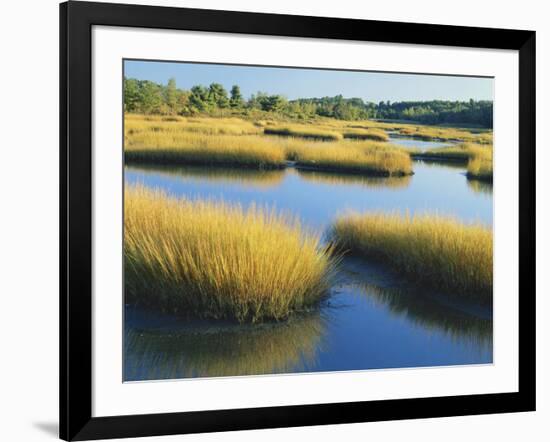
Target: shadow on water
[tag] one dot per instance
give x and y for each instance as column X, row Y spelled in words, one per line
column 441, row 164
column 49, row 428
column 207, row 349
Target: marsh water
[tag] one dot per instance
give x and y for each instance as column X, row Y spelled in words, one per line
column 371, row 320
column 416, row 143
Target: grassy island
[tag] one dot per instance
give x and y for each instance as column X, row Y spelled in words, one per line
column 480, row 167
column 431, row 133
column 478, row 158
column 239, row 143
column 430, row 250
column 460, row 152
column 213, row 260
column 368, row 158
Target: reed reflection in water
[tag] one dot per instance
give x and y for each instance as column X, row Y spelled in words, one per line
column 244, row 177
column 421, row 309
column 334, row 178
column 440, row 313
column 208, row 350
column 482, row 187
column 268, row 178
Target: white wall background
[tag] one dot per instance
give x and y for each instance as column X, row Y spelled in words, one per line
column 29, row 218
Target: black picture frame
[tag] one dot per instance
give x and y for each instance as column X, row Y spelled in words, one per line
column 76, row 21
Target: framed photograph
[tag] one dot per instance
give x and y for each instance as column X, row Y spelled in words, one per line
column 274, row 220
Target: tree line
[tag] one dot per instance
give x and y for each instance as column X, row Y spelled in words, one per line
column 147, row 97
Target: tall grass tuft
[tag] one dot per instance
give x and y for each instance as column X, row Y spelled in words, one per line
column 213, row 260
column 480, row 167
column 430, row 250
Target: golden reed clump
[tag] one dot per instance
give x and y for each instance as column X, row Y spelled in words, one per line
column 232, row 142
column 429, row 249
column 364, row 157
column 214, row 260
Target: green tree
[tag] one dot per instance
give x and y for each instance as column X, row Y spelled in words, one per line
column 217, row 95
column 132, row 95
column 151, row 97
column 198, row 99
column 236, row 100
column 271, row 103
column 171, row 95
column 144, row 96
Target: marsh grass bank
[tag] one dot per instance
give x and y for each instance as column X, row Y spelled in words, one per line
column 225, row 150
column 374, row 164
column 161, row 142
column 477, row 158
column 361, row 157
column 433, row 133
column 213, row 260
column 429, row 250
column 459, row 153
column 302, row 131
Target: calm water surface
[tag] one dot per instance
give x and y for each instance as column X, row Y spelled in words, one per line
column 372, row 320
column 417, row 144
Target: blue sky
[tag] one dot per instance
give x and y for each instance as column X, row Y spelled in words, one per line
column 306, row 83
